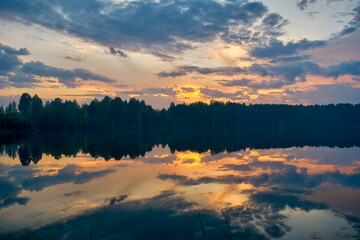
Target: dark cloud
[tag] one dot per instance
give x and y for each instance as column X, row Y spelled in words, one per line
column 159, row 217
column 272, row 25
column 190, row 89
column 287, row 71
column 153, row 91
column 114, row 200
column 290, row 70
column 184, row 70
column 280, row 201
column 118, row 52
column 9, row 193
column 12, row 51
column 151, row 26
column 214, row 93
column 75, row 59
column 75, row 193
column 288, row 59
column 282, row 176
column 8, row 63
column 25, row 73
column 277, row 48
column 158, row 160
column 184, row 180
column 302, row 4
column 8, row 189
column 171, row 74
column 353, row 25
column 163, row 56
column 69, row 78
column 135, row 220
column 164, row 216
column 238, row 167
column 173, row 177
column 272, row 19
column 66, row 175
column 284, row 73
column 252, row 84
column 344, row 68
column 12, row 201
column 21, row 80
column 328, row 93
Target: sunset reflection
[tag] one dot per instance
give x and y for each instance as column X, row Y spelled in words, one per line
column 282, row 181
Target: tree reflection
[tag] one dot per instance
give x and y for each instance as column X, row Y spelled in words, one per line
column 117, row 145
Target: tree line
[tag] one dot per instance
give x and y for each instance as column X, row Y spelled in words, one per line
column 116, row 114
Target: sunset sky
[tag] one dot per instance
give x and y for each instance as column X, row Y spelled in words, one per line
column 162, row 51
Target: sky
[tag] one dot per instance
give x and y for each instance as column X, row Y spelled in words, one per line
column 163, row 51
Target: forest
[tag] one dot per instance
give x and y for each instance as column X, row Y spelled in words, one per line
column 115, row 114
column 116, row 128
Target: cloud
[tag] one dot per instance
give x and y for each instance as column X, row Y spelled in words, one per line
column 12, row 201
column 282, row 176
column 9, row 193
column 274, row 84
column 288, row 59
column 69, row 78
column 8, row 189
column 75, row 59
column 118, row 52
column 280, row 201
column 353, row 25
column 158, row 217
column 190, row 89
column 254, row 165
column 289, row 71
column 351, row 67
column 23, row 75
column 284, row 73
column 21, row 80
column 67, row 174
column 151, row 26
column 171, row 74
column 214, row 93
column 277, row 48
column 12, row 51
column 153, row 91
column 184, row 70
column 8, row 62
column 184, row 180
column 272, row 25
column 114, row 200
column 75, row 193
column 302, row 4
column 325, row 94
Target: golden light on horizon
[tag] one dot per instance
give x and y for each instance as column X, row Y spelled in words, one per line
column 189, row 159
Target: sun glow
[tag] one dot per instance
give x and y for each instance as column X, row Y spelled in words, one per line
column 188, row 158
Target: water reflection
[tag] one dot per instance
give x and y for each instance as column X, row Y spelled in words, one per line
column 156, row 191
column 108, row 145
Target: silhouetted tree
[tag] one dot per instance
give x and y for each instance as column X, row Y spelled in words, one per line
column 36, row 105
column 25, row 103
column 24, row 155
column 11, row 108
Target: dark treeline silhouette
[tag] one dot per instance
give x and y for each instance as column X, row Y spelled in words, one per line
column 134, row 115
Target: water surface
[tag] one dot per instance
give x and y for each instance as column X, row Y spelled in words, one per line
column 157, row 192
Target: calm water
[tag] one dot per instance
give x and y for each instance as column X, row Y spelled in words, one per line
column 284, row 193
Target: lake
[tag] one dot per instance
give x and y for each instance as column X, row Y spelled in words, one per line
column 74, row 188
